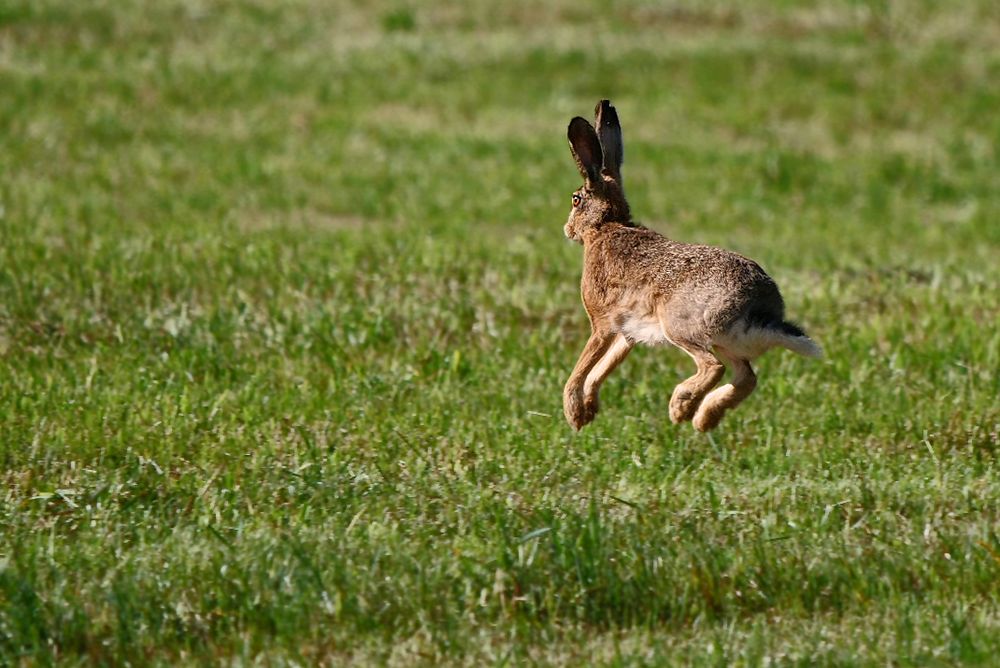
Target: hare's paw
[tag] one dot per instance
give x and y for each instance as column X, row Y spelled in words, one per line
column 590, row 408
column 708, row 416
column 579, row 411
column 683, row 404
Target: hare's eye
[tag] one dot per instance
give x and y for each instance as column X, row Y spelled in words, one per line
column 576, row 199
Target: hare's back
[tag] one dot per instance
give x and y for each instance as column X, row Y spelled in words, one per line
column 671, row 291
column 696, row 272
column 703, row 291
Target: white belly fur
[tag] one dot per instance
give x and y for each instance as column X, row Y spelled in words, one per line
column 739, row 341
column 643, row 330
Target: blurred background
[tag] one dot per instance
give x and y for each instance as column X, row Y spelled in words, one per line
column 868, row 121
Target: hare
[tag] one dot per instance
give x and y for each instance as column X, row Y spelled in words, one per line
column 640, row 287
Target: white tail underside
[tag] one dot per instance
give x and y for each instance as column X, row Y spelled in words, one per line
column 750, row 343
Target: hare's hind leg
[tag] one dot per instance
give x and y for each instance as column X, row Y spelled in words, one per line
column 728, row 396
column 688, row 395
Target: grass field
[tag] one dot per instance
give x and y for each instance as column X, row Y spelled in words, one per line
column 286, row 311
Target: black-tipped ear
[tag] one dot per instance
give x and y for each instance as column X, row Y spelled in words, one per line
column 586, row 149
column 609, row 131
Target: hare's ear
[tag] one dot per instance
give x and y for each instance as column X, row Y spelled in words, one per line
column 609, row 130
column 586, row 149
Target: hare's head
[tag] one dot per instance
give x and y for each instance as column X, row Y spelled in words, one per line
column 598, row 154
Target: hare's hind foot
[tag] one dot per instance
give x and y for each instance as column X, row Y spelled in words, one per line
column 721, row 399
column 683, row 404
column 687, row 396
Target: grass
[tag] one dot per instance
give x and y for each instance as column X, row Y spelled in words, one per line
column 285, row 314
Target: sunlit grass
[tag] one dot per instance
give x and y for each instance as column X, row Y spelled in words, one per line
column 285, row 314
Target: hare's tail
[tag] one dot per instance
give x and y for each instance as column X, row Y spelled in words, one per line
column 791, row 336
column 749, row 340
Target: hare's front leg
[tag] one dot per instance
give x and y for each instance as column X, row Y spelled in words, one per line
column 688, row 395
column 612, row 358
column 577, row 410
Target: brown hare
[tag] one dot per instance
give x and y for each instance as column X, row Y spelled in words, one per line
column 640, row 287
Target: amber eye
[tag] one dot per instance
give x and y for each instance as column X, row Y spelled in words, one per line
column 576, row 200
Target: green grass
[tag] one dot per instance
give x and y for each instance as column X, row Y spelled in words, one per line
column 286, row 310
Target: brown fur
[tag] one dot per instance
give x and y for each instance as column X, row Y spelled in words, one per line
column 639, row 286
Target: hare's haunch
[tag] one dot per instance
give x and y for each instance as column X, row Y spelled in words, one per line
column 640, row 287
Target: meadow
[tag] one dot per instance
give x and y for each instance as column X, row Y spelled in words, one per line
column 286, row 311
